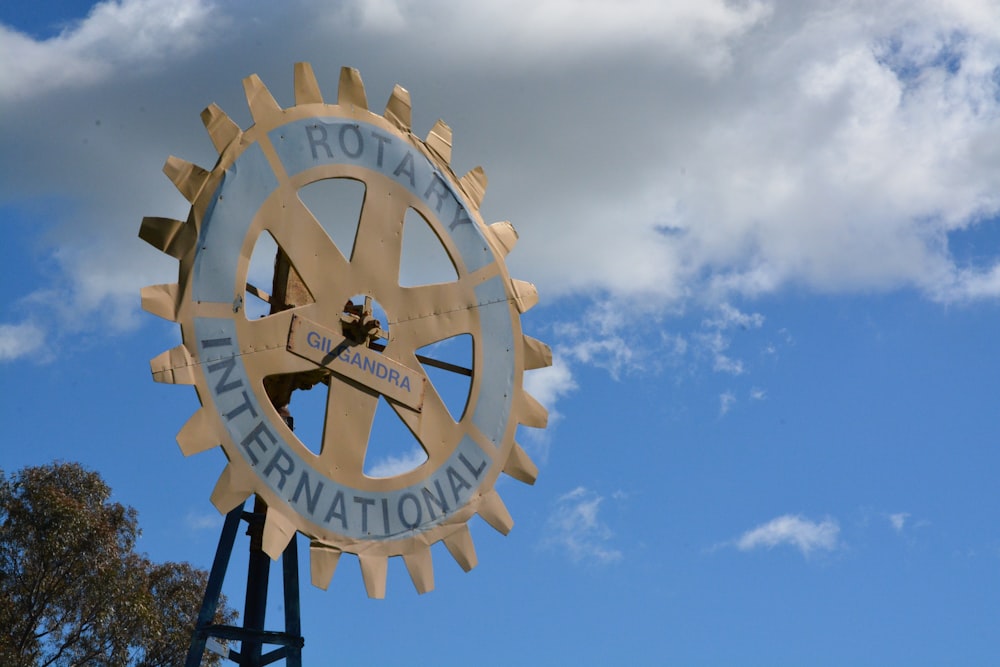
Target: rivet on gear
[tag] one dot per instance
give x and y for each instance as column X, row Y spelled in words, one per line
column 320, row 336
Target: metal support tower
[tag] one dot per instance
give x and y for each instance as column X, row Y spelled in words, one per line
column 252, row 636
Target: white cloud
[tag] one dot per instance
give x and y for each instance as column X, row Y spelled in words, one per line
column 613, row 353
column 805, row 535
column 397, row 465
column 698, row 33
column 757, row 394
column 198, row 521
column 728, row 317
column 726, row 401
column 717, row 344
column 753, row 146
column 606, row 336
column 715, row 341
column 898, row 520
column 550, row 384
column 20, row 340
column 117, row 36
column 575, row 527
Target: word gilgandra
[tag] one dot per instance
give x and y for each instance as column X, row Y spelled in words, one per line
column 365, row 363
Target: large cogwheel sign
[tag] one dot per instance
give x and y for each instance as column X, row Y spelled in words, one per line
column 324, row 331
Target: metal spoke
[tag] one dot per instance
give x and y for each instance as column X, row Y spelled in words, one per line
column 433, row 426
column 264, row 344
column 436, row 363
column 422, row 331
column 350, row 412
column 314, row 255
column 277, row 361
column 378, row 244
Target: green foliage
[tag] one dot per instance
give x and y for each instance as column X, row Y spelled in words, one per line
column 72, row 589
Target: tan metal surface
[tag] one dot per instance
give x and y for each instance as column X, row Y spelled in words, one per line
column 291, row 349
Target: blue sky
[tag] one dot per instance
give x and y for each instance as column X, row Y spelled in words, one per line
column 765, row 238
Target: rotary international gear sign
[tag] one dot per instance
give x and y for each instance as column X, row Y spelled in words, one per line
column 245, row 367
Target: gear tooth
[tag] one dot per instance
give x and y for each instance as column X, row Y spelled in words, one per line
column 520, row 466
column 398, row 109
column 494, row 512
column 306, row 87
column 174, row 366
column 174, row 237
column 439, row 140
column 461, row 548
column 474, row 185
column 278, row 532
column 232, row 489
column 351, row 90
column 197, row 435
column 161, row 300
column 222, row 129
column 260, row 100
column 525, row 295
column 421, row 569
column 187, row 177
column 536, row 354
column 505, row 236
column 323, row 559
column 373, row 570
column 530, row 412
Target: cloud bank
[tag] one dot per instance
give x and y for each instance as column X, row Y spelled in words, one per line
column 692, row 152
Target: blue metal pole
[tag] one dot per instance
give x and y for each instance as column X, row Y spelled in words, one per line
column 293, row 621
column 258, row 573
column 213, row 590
